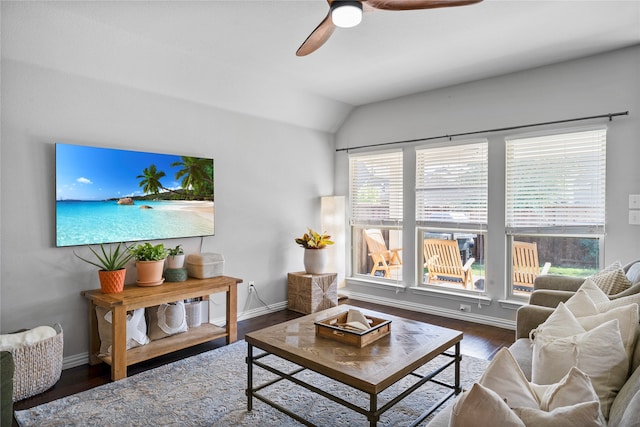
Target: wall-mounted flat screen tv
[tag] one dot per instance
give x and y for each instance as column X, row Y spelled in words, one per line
column 106, row 195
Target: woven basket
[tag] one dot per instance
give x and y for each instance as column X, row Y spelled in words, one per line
column 38, row 366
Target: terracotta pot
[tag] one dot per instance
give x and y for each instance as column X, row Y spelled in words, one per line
column 150, row 273
column 315, row 261
column 112, row 282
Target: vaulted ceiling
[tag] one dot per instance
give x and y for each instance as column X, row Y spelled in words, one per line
column 239, row 55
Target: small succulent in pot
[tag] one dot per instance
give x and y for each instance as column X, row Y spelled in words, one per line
column 111, row 263
column 114, row 259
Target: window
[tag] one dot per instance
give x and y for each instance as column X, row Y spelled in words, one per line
column 555, row 198
column 451, row 205
column 376, row 214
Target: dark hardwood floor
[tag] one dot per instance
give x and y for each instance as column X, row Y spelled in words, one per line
column 480, row 341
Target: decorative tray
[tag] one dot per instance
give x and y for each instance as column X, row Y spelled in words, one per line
column 336, row 328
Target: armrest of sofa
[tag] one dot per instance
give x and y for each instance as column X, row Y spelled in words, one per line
column 557, row 282
column 631, row 291
column 529, row 317
column 549, row 297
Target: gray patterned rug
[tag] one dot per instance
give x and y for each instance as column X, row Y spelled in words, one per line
column 208, row 390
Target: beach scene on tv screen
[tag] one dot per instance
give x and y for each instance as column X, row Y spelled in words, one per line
column 106, row 195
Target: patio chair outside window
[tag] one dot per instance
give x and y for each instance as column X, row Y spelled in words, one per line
column 442, row 259
column 525, row 264
column 384, row 259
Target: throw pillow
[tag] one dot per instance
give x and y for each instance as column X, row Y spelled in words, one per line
column 602, row 301
column 482, row 407
column 581, row 304
column 627, row 317
column 633, row 274
column 588, row 316
column 166, row 320
column 505, row 378
column 612, row 280
column 599, row 353
column 586, row 414
column 561, row 323
column 136, row 329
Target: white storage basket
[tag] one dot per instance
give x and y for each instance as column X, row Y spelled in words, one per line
column 37, row 366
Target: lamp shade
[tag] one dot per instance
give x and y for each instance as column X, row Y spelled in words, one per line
column 346, row 14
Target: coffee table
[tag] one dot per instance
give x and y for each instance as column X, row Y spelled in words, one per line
column 370, row 369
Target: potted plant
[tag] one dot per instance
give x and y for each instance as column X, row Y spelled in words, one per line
column 175, row 258
column 112, row 267
column 149, row 263
column 315, row 258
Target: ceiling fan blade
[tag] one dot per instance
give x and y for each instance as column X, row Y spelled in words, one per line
column 318, row 37
column 416, row 4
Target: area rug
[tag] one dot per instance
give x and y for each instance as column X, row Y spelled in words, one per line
column 209, row 390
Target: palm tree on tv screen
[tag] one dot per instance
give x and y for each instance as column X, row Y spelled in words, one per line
column 151, row 180
column 196, row 174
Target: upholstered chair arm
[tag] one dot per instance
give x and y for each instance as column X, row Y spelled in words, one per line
column 549, row 297
column 561, row 283
column 528, row 317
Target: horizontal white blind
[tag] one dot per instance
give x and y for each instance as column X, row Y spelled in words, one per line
column 451, row 184
column 557, row 182
column 376, row 188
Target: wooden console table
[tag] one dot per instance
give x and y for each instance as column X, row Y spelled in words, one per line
column 134, row 297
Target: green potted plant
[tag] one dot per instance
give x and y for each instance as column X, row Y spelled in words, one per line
column 149, row 263
column 175, row 258
column 315, row 258
column 111, row 266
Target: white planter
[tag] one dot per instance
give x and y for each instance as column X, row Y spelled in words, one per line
column 175, row 261
column 315, row 261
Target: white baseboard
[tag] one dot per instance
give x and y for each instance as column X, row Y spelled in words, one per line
column 75, row 360
column 421, row 308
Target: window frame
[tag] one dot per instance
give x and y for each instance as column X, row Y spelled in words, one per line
column 564, row 229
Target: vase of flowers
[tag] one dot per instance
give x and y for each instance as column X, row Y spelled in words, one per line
column 315, row 258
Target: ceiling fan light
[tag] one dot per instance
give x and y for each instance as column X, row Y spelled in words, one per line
column 346, row 14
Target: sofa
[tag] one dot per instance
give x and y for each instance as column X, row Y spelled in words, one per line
column 549, row 291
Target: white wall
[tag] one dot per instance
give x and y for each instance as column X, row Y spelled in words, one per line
column 606, row 83
column 266, row 192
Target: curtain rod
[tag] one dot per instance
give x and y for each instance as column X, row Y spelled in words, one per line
column 601, row 116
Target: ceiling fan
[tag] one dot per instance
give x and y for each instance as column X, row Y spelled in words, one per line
column 348, row 13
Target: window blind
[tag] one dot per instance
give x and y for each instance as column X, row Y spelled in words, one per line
column 376, row 188
column 557, row 182
column 451, row 184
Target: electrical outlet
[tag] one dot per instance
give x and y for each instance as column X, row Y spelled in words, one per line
column 465, row 307
column 634, row 217
column 252, row 286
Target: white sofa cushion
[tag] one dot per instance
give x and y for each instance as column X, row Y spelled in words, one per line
column 599, row 353
column 503, row 387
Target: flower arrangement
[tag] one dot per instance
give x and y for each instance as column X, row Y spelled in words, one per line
column 313, row 240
